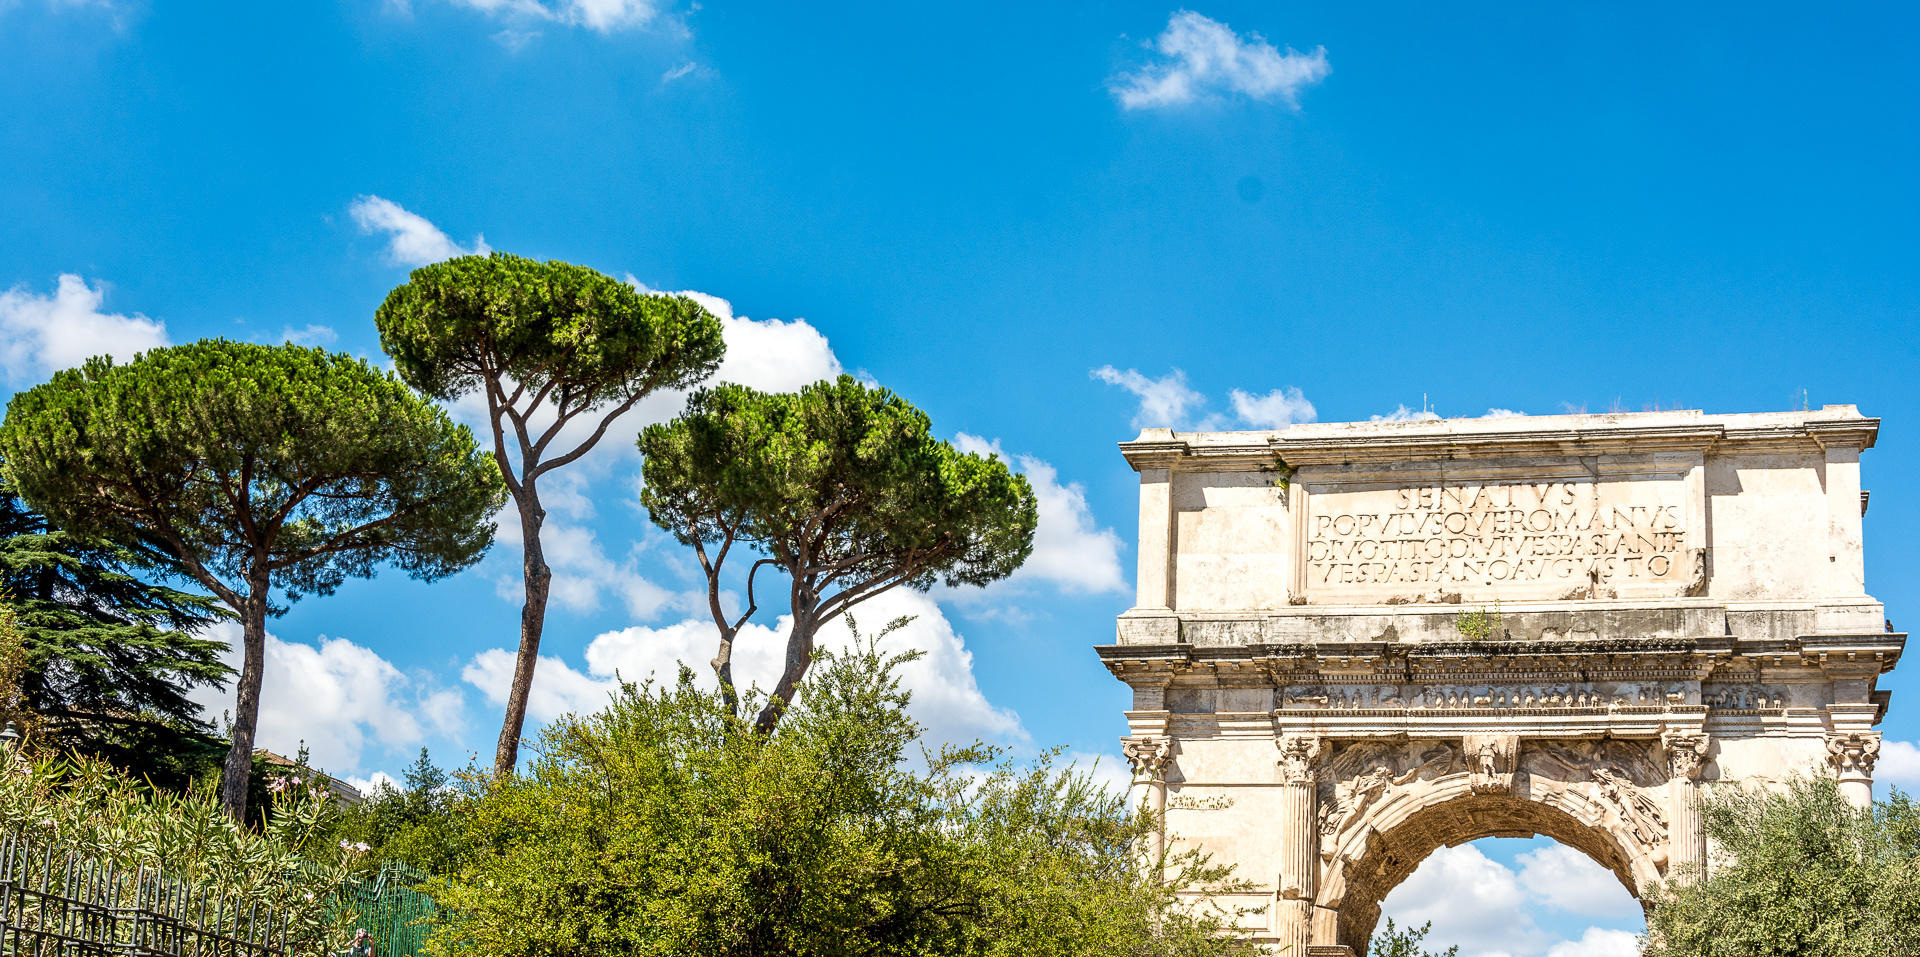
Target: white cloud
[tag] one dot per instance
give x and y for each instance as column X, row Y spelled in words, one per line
column 601, row 16
column 1568, row 879
column 371, row 783
column 1472, row 901
column 312, row 335
column 1201, row 58
column 39, row 334
column 678, row 72
column 1899, row 764
column 1164, row 402
column 946, row 699
column 1598, row 942
column 338, row 697
column 1404, row 414
column 416, row 241
column 1503, row 414
column 1069, row 550
column 1275, row 410
column 1488, row 909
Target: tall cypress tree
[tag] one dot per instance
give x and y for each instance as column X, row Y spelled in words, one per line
column 111, row 651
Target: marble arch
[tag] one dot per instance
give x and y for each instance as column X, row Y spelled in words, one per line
column 1354, row 643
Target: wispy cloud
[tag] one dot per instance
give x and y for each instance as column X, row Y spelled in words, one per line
column 678, row 72
column 1168, row 402
column 313, row 335
column 415, row 241
column 1201, row 58
column 604, row 17
column 65, row 328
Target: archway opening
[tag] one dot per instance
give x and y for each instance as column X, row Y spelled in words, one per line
column 1369, row 874
column 1516, row 897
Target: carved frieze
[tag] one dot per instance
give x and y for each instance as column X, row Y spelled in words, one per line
column 1494, row 695
column 1746, row 697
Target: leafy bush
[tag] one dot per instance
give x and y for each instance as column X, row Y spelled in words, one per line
column 665, row 825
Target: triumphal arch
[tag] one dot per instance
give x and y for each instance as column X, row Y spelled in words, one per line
column 1355, row 643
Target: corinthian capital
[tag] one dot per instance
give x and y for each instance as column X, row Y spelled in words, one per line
column 1297, row 754
column 1853, row 751
column 1148, row 755
column 1686, row 753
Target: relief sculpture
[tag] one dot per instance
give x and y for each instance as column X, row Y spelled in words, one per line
column 1362, row 776
column 1448, row 697
column 1640, row 813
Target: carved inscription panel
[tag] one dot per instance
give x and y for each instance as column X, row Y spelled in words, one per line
column 1558, row 539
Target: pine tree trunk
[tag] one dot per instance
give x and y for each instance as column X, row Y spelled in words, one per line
column 799, row 657
column 237, row 775
column 533, row 617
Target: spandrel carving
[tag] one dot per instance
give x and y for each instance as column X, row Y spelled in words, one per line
column 1639, row 812
column 1572, row 762
column 1361, row 776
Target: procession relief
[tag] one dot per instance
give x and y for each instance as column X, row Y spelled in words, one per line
column 1620, row 785
column 1563, row 695
column 1444, row 697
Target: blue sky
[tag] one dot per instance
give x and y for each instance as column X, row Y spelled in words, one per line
column 1529, row 207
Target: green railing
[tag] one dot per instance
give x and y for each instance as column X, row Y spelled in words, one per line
column 397, row 916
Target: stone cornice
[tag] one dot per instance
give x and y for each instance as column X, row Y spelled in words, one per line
column 1526, row 436
column 1493, row 660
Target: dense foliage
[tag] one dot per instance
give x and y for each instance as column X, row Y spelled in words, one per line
column 666, row 825
column 111, row 651
column 546, row 344
column 1799, row 872
column 260, row 469
column 841, row 487
column 416, row 824
column 292, row 864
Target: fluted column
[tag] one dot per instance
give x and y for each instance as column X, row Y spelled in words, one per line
column 1686, row 844
column 1299, row 841
column 1149, row 755
column 1852, row 755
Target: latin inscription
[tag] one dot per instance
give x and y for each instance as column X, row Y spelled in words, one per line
column 1449, row 536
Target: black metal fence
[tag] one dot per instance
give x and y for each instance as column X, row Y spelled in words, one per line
column 56, row 903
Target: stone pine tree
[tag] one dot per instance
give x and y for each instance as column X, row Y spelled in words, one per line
column 264, row 470
column 558, row 352
column 111, row 650
column 842, row 488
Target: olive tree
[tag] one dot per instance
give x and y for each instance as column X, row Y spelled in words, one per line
column 261, row 468
column 548, row 344
column 1796, row 871
column 841, row 487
